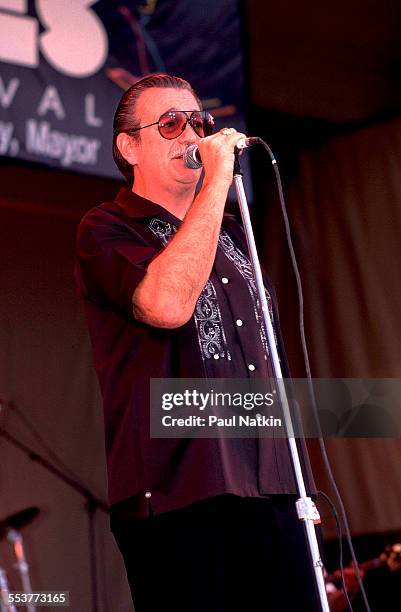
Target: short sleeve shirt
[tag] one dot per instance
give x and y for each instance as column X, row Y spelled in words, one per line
column 224, row 338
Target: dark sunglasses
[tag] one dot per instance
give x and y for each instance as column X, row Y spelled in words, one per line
column 173, row 123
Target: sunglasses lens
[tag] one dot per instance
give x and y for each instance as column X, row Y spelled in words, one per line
column 172, row 124
column 202, row 123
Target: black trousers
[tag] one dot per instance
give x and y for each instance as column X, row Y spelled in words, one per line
column 224, row 554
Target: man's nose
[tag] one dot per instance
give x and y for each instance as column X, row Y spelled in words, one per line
column 189, row 136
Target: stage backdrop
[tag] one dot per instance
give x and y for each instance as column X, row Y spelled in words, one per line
column 64, row 65
column 344, row 202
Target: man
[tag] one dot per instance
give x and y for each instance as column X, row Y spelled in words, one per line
column 203, row 524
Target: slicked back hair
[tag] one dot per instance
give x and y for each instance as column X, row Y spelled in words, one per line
column 126, row 121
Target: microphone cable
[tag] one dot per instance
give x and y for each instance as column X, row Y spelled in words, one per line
column 309, row 375
column 340, row 547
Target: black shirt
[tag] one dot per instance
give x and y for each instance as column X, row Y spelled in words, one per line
column 224, row 338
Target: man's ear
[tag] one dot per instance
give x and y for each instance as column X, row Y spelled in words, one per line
column 127, row 147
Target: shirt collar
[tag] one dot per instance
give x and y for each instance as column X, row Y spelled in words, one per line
column 138, row 207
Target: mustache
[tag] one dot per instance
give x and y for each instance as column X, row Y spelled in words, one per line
column 181, row 150
column 178, row 154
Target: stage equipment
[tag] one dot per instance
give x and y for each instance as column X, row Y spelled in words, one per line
column 306, row 509
column 92, row 504
column 18, row 520
column 193, row 160
column 4, row 590
column 22, row 566
column 8, row 529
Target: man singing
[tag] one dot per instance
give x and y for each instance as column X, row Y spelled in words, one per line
column 204, row 525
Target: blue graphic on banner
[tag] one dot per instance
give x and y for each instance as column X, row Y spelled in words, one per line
column 64, row 65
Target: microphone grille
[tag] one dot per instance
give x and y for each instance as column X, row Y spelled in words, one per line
column 190, row 158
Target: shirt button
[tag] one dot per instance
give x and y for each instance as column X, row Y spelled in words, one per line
column 239, row 323
column 216, row 356
column 148, row 494
column 224, row 280
column 251, row 367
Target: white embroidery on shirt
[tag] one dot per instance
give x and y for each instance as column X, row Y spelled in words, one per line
column 162, row 229
column 207, row 315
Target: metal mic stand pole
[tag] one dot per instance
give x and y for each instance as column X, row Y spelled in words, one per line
column 4, row 590
column 92, row 504
column 15, row 538
column 304, row 505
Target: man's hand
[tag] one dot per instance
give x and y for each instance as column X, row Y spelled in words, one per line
column 217, row 153
column 167, row 295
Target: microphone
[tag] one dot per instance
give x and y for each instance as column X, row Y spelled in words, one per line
column 192, row 158
column 17, row 520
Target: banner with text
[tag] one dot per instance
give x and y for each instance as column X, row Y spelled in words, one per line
column 65, row 63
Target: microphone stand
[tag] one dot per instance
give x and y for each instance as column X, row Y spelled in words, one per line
column 4, row 590
column 15, row 538
column 92, row 504
column 306, row 509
